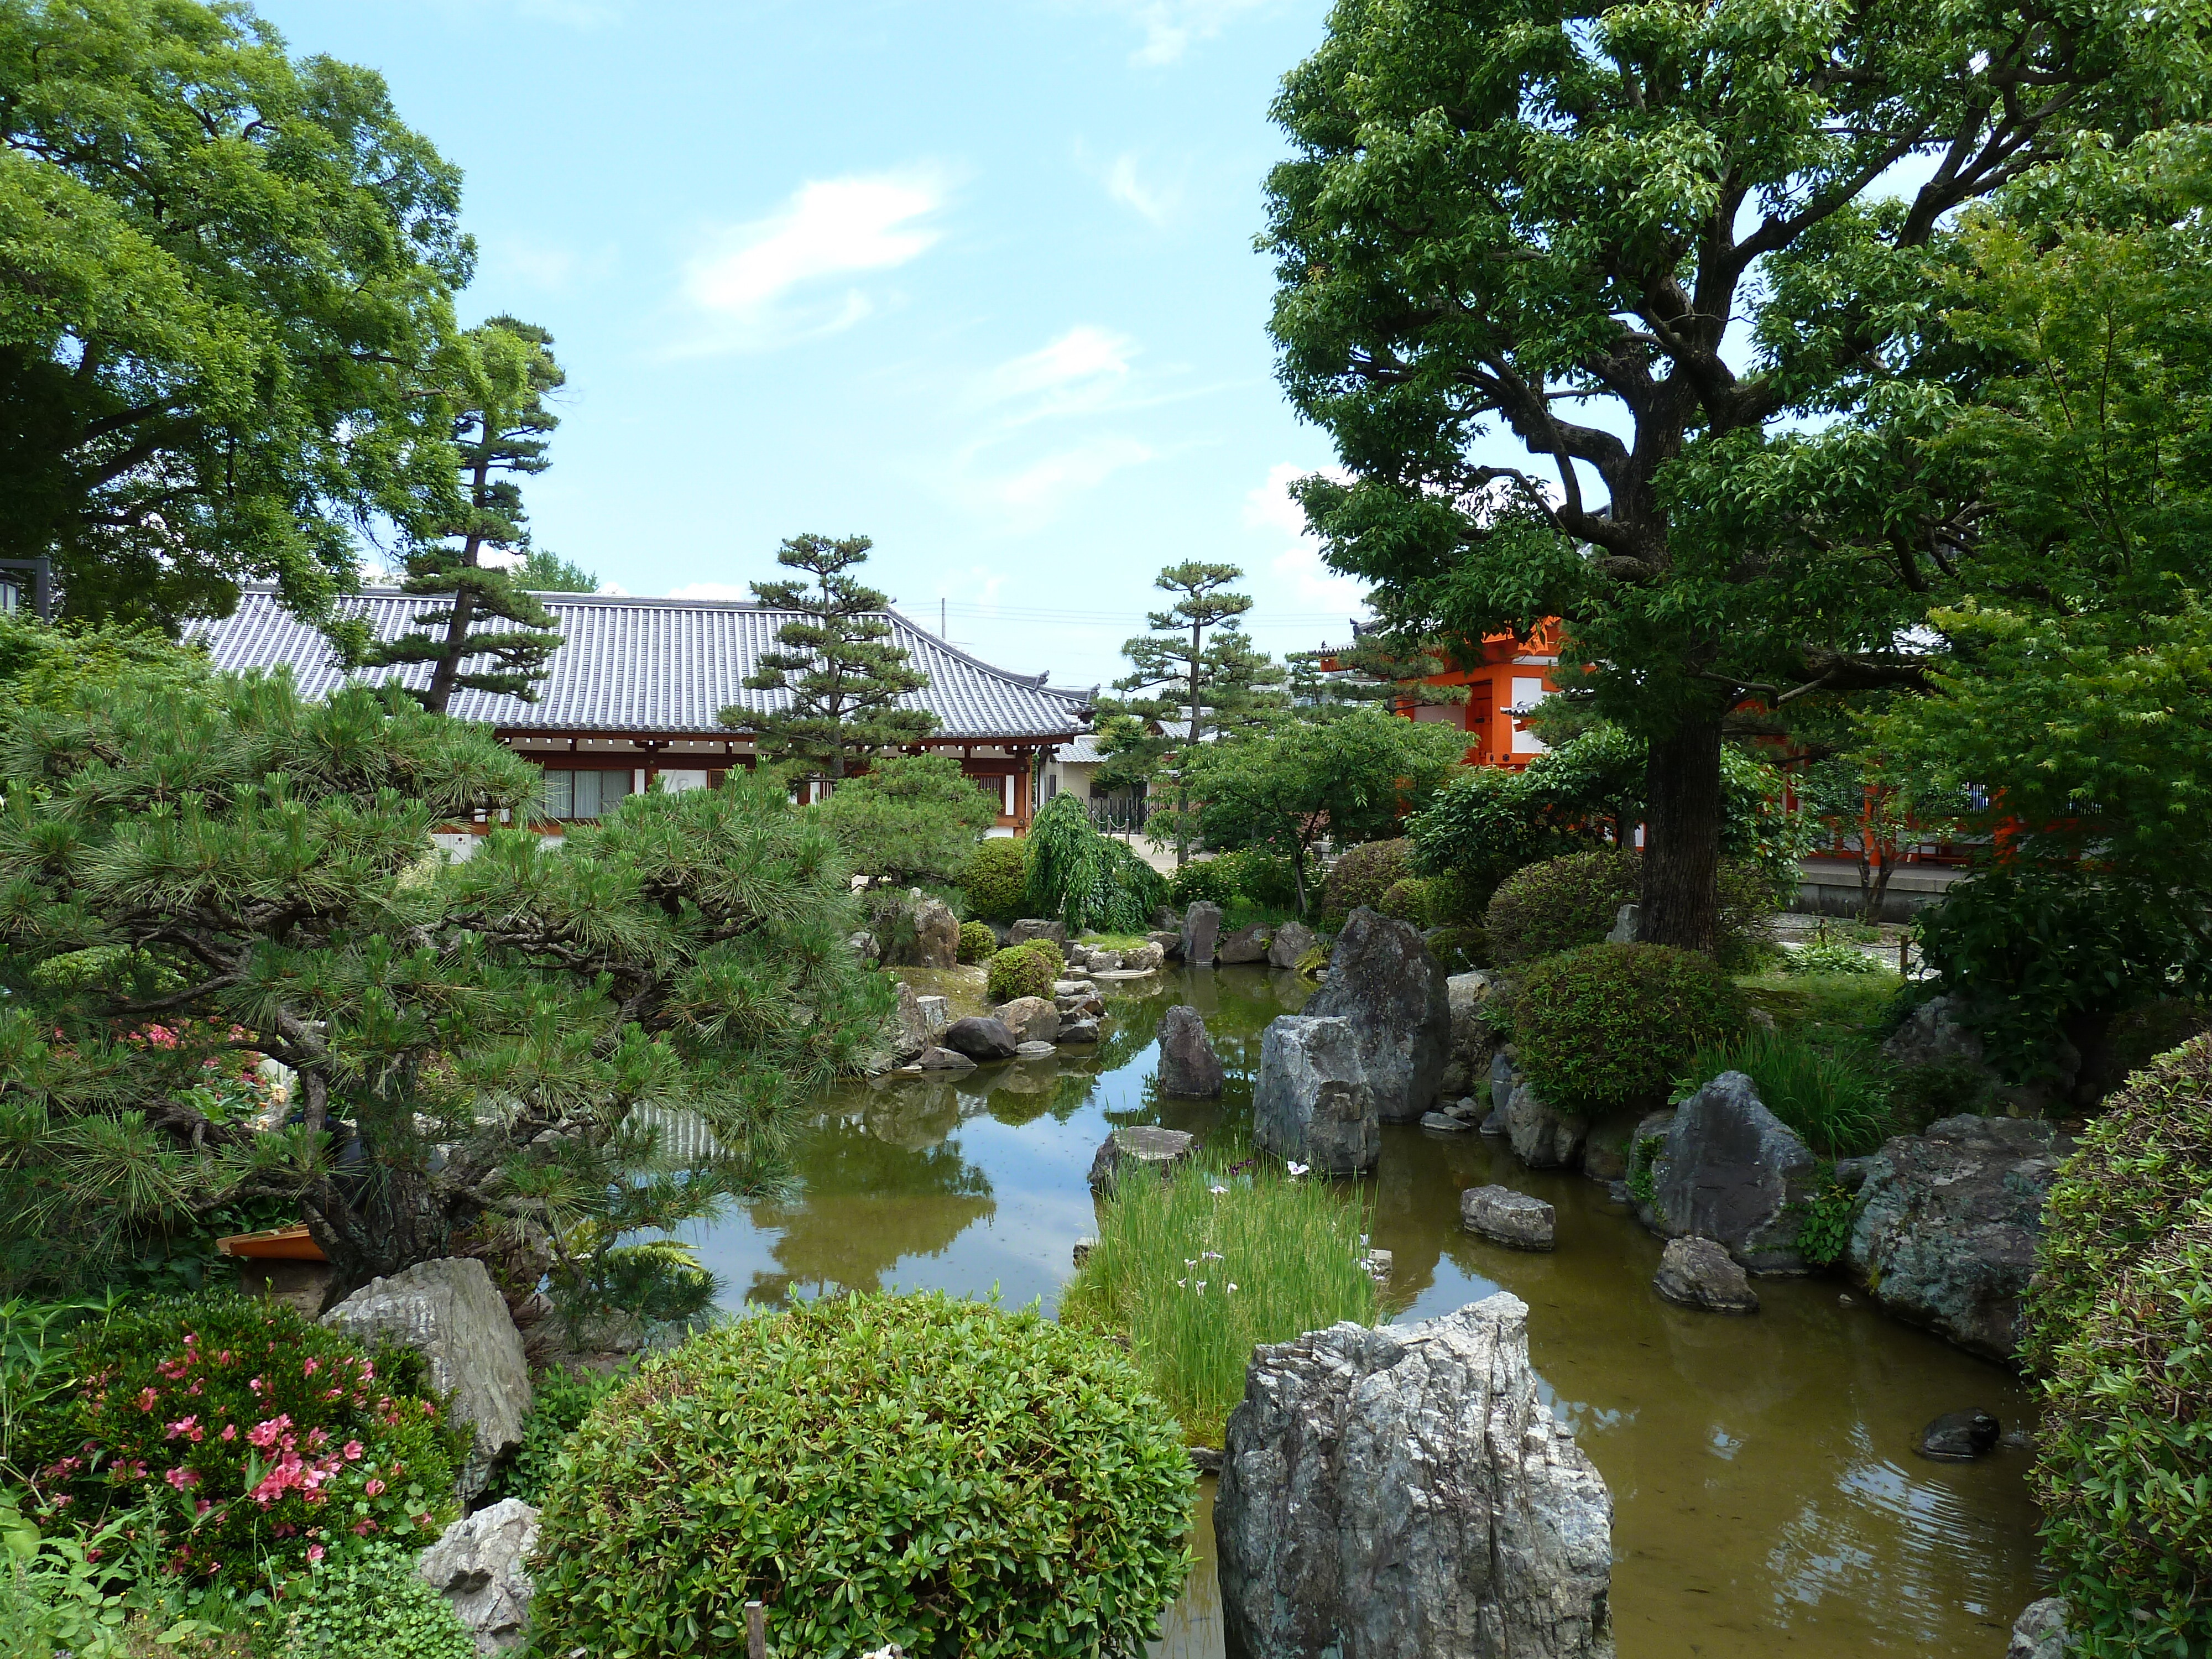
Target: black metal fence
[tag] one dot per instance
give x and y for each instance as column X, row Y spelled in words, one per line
column 1119, row 814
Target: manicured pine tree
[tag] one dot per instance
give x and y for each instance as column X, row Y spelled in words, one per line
column 843, row 676
column 500, row 431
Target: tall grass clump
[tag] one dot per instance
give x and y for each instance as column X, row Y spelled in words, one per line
column 1837, row 1099
column 1198, row 1269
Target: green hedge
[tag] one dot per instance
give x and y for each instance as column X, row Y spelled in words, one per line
column 1561, row 903
column 936, row 1472
column 1407, row 900
column 2119, row 1321
column 977, row 942
column 997, row 875
column 1028, row 969
column 1610, row 1025
column 1203, row 881
column 1362, row 875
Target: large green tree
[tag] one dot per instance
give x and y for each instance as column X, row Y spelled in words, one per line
column 843, row 681
column 909, row 818
column 225, row 282
column 486, row 615
column 1642, row 246
column 503, row 1053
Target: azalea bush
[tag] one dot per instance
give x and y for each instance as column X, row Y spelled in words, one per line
column 921, row 1470
column 1610, row 1025
column 245, row 1434
column 1028, row 969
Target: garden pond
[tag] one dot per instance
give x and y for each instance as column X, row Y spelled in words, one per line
column 1767, row 1497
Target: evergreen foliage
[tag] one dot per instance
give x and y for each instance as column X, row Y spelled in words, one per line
column 1610, row 1025
column 997, row 877
column 501, row 426
column 909, row 820
column 914, row 1469
column 544, row 572
column 1561, row 903
column 843, row 683
column 372, row 1604
column 1363, row 875
column 259, row 872
column 977, row 942
column 1027, row 969
column 1090, row 881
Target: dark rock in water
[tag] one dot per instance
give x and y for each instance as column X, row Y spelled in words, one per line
column 1697, row 1272
column 945, row 1060
column 1079, row 1031
column 1207, row 1460
column 1494, row 1125
column 1402, row 1491
column 1140, row 1148
column 1170, row 943
column 1505, row 1217
column 1732, row 1171
column 1959, row 1436
column 1201, row 933
column 1189, row 1069
column 1291, row 943
column 1543, row 1136
column 2040, row 1631
column 1245, row 946
column 1947, row 1224
column 1311, row 1104
column 1382, row 979
column 1445, row 1121
column 979, row 1038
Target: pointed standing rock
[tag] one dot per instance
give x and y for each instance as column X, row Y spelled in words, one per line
column 1190, row 1068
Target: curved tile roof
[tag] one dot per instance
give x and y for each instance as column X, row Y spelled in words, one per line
column 662, row 666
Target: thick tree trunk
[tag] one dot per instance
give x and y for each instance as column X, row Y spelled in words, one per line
column 375, row 1221
column 1683, row 832
column 442, row 677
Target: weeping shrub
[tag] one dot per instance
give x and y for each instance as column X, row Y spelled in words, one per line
column 1091, row 882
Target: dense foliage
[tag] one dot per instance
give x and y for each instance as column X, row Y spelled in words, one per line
column 243, row 1432
column 909, row 820
column 560, row 1401
column 1195, row 1277
column 372, row 1604
column 935, row 1472
column 257, row 868
column 1835, row 1098
column 1090, row 881
column 1610, row 1025
column 977, row 943
column 226, row 314
column 1027, row 969
column 1561, row 903
column 2117, row 1321
column 1202, row 881
column 1362, row 875
column 996, row 878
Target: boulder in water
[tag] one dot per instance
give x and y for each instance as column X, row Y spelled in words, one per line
column 1505, row 1217
column 1029, row 1019
column 1698, row 1273
column 1189, row 1069
column 1731, row 1171
column 1138, row 1147
column 1959, row 1436
column 1201, row 933
column 1312, row 1103
column 1543, row 1136
column 1382, row 979
column 1289, row 944
column 979, row 1038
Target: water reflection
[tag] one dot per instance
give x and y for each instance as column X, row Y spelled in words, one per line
column 1764, row 1495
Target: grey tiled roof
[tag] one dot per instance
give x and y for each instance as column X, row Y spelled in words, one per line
column 645, row 665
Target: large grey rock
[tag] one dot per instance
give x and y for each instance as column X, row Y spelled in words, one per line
column 910, row 1031
column 2040, row 1631
column 1079, row 1031
column 1503, row 1080
column 480, row 1564
column 936, row 1014
column 1698, row 1273
column 1543, row 1136
column 1505, row 1217
column 1382, row 979
column 1244, row 947
column 1146, row 958
column 1137, row 1147
column 936, row 941
column 1291, row 943
column 452, row 1314
column 1029, row 1019
column 1170, row 943
column 1188, row 1067
column 979, row 1038
column 1948, row 1223
column 1406, row 1491
column 944, row 1060
column 1201, row 933
column 1311, row 1103
column 1468, row 1054
column 1732, row 1171
column 1029, row 928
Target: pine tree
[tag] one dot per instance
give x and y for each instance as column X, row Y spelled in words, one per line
column 843, row 677
column 489, row 1056
column 500, row 431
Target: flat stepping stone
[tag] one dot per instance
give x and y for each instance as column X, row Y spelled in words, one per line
column 1140, row 1147
column 1035, row 1050
column 1121, row 976
column 1442, row 1120
column 1697, row 1272
column 1505, row 1217
column 1078, row 1031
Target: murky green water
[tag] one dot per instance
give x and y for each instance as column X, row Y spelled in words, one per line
column 1766, row 1498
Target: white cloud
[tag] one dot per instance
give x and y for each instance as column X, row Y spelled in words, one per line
column 1153, row 202
column 1171, row 26
column 1078, row 369
column 1304, row 582
column 778, row 278
column 1043, row 487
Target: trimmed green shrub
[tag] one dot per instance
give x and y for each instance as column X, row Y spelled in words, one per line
column 997, row 874
column 1090, row 881
column 247, row 1432
column 1608, row 1025
column 1261, row 877
column 1207, row 881
column 373, row 1605
column 1836, row 1100
column 977, row 943
column 1561, row 903
column 559, row 1402
column 1362, row 875
column 2116, row 1321
column 1025, row 971
column 918, row 1469
column 1407, row 900
column 1459, row 949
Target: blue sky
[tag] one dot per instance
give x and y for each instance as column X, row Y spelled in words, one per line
column 975, row 279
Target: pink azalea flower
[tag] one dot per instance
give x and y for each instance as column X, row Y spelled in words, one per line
column 315, row 1553
column 376, row 1487
column 353, row 1451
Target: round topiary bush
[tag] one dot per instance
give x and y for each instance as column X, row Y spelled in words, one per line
column 248, row 1433
column 1408, row 901
column 2116, row 1321
column 1210, row 881
column 1460, row 948
column 1025, row 971
column 939, row 1474
column 998, row 873
column 1561, row 903
column 1610, row 1025
column 977, row 942
column 1362, row 875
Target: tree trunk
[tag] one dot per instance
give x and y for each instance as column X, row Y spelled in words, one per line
column 375, row 1221
column 1683, row 832
column 441, row 691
